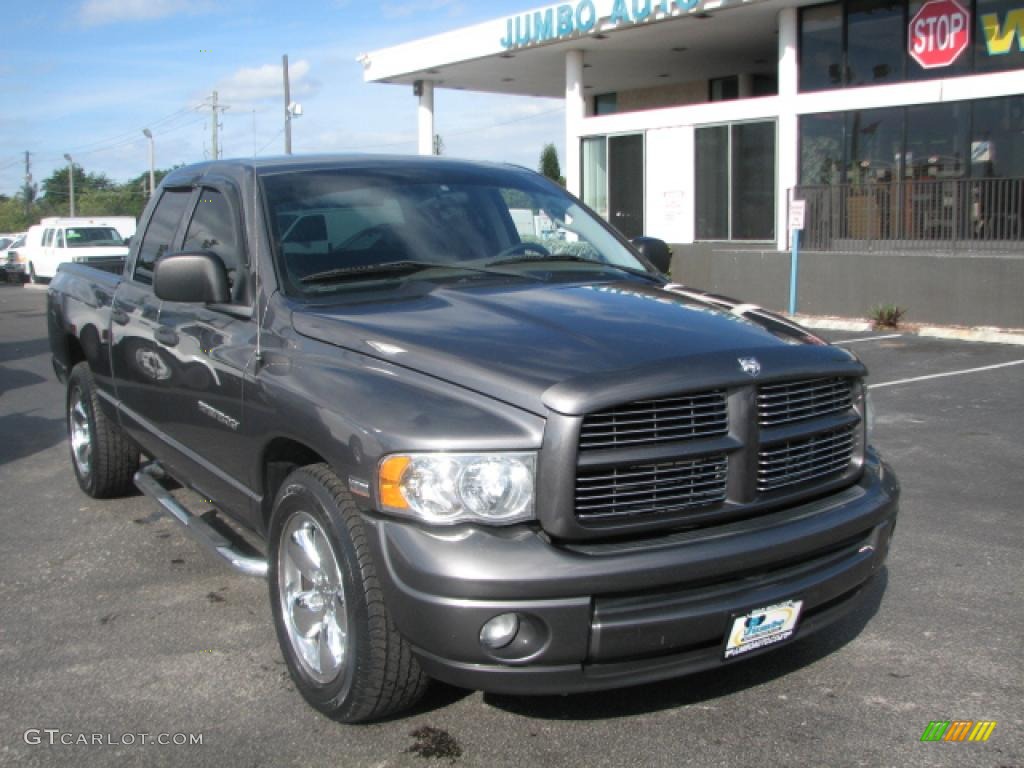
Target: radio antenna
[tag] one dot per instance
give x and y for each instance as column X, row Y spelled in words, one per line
column 256, row 266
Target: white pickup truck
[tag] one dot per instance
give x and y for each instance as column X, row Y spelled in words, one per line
column 97, row 241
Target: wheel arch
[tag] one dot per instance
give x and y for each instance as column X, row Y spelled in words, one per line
column 280, row 456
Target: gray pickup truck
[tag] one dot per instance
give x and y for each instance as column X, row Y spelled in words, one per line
column 467, row 432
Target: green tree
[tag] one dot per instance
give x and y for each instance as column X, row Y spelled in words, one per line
column 55, row 187
column 12, row 215
column 549, row 164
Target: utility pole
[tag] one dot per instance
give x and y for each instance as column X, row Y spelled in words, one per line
column 215, row 107
column 71, row 183
column 28, row 188
column 287, row 110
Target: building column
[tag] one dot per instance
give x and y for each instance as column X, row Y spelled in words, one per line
column 787, row 150
column 744, row 85
column 425, row 116
column 575, row 111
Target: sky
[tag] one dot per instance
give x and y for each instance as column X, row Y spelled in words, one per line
column 86, row 76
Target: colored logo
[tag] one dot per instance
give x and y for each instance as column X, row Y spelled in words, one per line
column 958, row 730
column 750, row 366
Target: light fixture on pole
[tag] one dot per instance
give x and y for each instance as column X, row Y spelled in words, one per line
column 292, row 109
column 152, row 177
column 71, row 182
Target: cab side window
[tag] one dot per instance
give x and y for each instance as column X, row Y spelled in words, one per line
column 214, row 228
column 60, row 239
column 47, row 238
column 160, row 233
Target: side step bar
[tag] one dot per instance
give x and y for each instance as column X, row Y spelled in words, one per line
column 148, row 480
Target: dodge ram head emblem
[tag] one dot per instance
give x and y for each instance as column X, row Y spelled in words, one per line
column 750, row 366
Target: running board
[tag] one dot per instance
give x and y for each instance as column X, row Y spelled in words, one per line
column 148, row 480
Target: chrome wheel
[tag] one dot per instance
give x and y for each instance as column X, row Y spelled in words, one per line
column 312, row 598
column 81, row 434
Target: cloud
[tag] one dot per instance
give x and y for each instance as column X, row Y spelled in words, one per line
column 95, row 12
column 250, row 85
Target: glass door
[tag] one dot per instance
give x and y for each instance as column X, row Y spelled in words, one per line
column 626, row 183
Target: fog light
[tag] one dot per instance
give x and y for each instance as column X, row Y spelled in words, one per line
column 499, row 631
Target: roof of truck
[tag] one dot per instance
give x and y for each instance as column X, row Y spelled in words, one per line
column 264, row 165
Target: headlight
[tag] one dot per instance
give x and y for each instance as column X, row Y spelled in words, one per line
column 448, row 488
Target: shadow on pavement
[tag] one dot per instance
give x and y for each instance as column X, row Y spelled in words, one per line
column 12, row 378
column 703, row 686
column 23, row 348
column 22, row 434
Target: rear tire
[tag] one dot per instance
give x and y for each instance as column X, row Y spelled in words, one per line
column 104, row 460
column 342, row 648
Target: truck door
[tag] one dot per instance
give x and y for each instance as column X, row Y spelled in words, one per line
column 189, row 360
column 39, row 266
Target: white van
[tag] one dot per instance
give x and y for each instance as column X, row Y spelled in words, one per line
column 97, row 241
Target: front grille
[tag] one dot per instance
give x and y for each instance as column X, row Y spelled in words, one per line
column 646, row 422
column 651, row 488
column 798, row 400
column 800, row 460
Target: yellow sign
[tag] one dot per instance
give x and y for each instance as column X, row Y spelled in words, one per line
column 999, row 37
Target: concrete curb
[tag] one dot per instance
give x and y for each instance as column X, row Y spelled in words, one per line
column 986, row 335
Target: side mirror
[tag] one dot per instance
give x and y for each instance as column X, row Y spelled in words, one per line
column 196, row 277
column 655, row 251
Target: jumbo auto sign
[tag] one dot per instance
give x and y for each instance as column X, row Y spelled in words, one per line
column 939, row 33
column 563, row 21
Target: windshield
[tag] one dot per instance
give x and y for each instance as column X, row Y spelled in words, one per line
column 338, row 229
column 90, row 237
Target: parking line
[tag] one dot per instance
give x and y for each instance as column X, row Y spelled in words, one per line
column 949, row 373
column 868, row 338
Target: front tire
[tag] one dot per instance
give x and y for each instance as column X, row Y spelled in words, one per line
column 104, row 460
column 342, row 649
column 32, row 277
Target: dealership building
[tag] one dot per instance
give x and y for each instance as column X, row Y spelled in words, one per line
column 899, row 123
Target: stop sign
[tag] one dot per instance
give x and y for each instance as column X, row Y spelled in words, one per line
column 939, row 33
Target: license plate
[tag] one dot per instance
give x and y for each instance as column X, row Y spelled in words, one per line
column 762, row 627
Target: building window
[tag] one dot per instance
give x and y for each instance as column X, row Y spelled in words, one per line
column 822, row 159
column 876, row 35
column 874, row 143
column 821, row 47
column 595, row 174
column 997, row 138
column 606, row 103
column 712, row 179
column 735, row 179
column 998, row 35
column 753, row 181
column 937, row 141
column 864, row 42
column 724, row 88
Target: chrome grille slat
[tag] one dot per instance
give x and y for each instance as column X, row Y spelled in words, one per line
column 652, row 421
column 716, row 422
column 652, row 488
column 683, row 485
column 793, row 401
column 803, row 459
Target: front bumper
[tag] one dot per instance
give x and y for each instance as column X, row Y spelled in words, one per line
column 598, row 616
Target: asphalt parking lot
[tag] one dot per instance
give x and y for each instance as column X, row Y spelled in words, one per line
column 112, row 621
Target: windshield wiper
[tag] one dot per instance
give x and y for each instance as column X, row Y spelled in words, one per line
column 577, row 259
column 390, row 268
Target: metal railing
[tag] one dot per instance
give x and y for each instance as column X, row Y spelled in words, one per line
column 912, row 215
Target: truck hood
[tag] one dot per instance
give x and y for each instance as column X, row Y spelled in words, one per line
column 573, row 348
column 99, row 252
